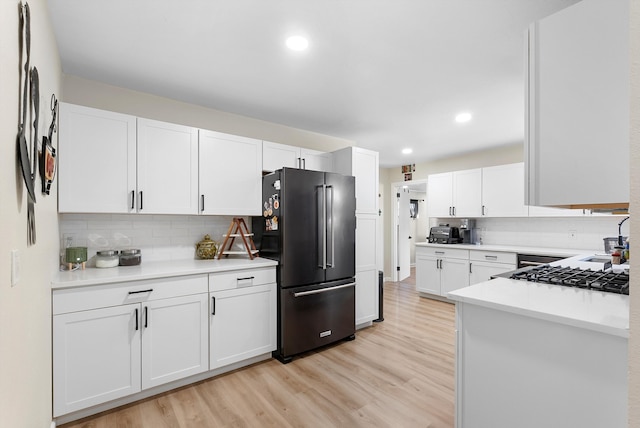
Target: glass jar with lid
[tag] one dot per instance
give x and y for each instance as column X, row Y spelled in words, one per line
column 131, row 257
column 107, row 259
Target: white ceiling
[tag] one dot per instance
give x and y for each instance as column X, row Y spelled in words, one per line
column 386, row 74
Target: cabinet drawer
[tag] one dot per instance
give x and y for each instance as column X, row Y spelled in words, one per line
column 241, row 278
column 442, row 252
column 493, row 256
column 122, row 293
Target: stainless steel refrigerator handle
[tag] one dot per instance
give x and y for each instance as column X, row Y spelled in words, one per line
column 321, row 229
column 332, row 234
column 323, row 290
column 324, row 226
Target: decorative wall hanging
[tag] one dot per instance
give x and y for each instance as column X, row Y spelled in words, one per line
column 48, row 152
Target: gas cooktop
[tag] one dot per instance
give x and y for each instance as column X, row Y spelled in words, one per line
column 600, row 280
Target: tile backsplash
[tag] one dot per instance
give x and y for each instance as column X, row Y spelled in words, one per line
column 582, row 233
column 159, row 237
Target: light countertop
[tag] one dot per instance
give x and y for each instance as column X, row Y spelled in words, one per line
column 152, row 270
column 560, row 252
column 593, row 310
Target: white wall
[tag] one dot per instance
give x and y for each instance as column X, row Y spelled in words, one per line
column 159, row 237
column 25, row 310
column 100, row 95
column 634, row 341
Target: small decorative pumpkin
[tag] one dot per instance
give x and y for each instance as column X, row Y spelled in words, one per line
column 207, row 248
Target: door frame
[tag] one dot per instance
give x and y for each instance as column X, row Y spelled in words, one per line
column 395, row 186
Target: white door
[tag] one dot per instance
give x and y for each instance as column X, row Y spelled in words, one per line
column 242, row 324
column 167, row 168
column 366, row 296
column 96, row 357
column 96, row 160
column 174, row 338
column 230, row 169
column 404, row 240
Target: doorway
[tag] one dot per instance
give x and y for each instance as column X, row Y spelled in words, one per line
column 410, row 225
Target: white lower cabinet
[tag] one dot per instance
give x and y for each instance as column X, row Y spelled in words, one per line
column 439, row 270
column 484, row 264
column 96, row 357
column 114, row 340
column 366, row 296
column 174, row 339
column 243, row 315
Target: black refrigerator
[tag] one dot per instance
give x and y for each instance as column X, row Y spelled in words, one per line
column 309, row 225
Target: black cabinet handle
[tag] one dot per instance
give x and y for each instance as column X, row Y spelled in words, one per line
column 136, row 319
column 244, row 279
column 146, row 316
column 141, row 291
column 141, row 199
column 213, row 305
column 470, row 268
column 202, row 199
column 133, row 199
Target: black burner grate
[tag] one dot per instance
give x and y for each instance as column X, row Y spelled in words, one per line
column 613, row 282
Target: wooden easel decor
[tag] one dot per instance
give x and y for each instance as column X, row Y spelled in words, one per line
column 241, row 231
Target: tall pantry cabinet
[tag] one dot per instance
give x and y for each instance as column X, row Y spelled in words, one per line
column 363, row 165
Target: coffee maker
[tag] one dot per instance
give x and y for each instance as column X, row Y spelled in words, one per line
column 468, row 231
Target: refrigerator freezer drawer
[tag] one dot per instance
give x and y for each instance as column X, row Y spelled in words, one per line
column 315, row 316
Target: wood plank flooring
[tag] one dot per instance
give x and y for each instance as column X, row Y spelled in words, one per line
column 397, row 373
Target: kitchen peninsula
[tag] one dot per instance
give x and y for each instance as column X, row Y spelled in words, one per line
column 531, row 355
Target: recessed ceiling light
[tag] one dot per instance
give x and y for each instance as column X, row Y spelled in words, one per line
column 297, row 43
column 407, row 151
column 463, row 117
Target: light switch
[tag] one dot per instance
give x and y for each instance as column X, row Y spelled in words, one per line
column 15, row 267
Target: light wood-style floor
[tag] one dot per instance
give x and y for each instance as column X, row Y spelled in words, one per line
column 397, row 373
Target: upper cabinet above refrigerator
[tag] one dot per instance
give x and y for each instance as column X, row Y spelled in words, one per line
column 577, row 107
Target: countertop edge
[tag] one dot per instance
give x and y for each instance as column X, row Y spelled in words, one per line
column 511, row 249
column 459, row 296
column 152, row 270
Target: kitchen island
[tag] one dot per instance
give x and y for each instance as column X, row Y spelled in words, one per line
column 538, row 355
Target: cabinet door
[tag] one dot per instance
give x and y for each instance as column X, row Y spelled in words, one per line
column 367, row 296
column 167, row 168
column 96, row 160
column 174, row 338
column 316, row 160
column 96, row 357
column 230, row 169
column 454, row 274
column 503, row 191
column 242, row 324
column 440, row 194
column 483, row 271
column 427, row 274
column 467, row 193
column 365, row 170
column 276, row 156
column 578, row 105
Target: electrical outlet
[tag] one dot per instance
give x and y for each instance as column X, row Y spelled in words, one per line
column 573, row 234
column 15, row 267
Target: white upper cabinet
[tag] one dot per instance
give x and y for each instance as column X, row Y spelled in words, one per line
column 467, row 193
column 363, row 165
column 503, row 191
column 167, row 168
column 440, row 194
column 110, row 164
column 276, row 156
column 96, row 160
column 455, row 194
column 577, row 136
column 230, row 170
